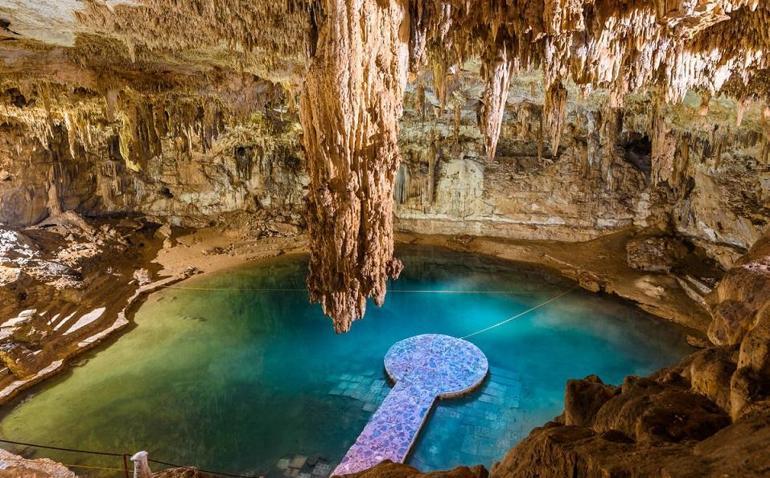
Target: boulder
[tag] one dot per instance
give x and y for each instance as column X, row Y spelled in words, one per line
column 14, row 466
column 584, row 398
column 650, row 412
column 740, row 300
column 746, row 388
column 710, row 371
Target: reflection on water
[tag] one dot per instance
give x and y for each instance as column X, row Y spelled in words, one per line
column 256, row 381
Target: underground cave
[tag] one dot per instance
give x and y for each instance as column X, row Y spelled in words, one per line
column 384, row 238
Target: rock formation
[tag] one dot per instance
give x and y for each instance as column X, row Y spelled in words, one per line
column 563, row 120
column 498, row 80
column 118, row 52
column 13, row 466
column 350, row 106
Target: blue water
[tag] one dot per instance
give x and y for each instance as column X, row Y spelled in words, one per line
column 232, row 378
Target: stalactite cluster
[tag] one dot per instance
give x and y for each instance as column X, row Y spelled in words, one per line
column 674, row 46
column 349, row 108
column 352, row 56
column 622, row 46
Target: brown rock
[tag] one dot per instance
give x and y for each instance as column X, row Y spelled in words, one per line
column 655, row 254
column 755, row 347
column 739, row 450
column 584, row 398
column 649, row 412
column 388, row 469
column 746, row 388
column 710, row 372
column 14, row 466
column 740, row 300
column 556, row 451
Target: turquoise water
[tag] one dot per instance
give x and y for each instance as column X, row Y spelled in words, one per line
column 250, row 381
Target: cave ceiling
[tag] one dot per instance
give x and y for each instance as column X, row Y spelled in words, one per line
column 344, row 65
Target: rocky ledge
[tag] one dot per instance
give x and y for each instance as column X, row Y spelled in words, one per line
column 707, row 416
column 68, row 284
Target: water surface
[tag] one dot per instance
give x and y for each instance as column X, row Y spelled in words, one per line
column 238, row 373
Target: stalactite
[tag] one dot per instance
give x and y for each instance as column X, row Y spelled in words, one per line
column 621, row 46
column 349, row 109
column 554, row 111
column 421, row 100
column 439, row 84
column 497, row 79
column 743, row 103
column 663, row 153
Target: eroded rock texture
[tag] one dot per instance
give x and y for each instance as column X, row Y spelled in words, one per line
column 641, row 113
column 350, row 106
column 524, row 119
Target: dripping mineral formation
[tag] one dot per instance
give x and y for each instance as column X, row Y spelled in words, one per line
column 624, row 143
column 350, row 105
column 352, row 92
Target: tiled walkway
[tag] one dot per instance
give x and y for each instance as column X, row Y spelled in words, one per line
column 424, row 369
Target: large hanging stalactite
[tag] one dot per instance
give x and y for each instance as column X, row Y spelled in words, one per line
column 497, row 77
column 349, row 108
column 554, row 110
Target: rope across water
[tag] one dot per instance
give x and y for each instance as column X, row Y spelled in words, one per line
column 300, row 289
column 520, row 314
column 403, row 291
column 224, row 474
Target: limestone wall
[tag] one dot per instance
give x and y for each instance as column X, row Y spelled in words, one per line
column 187, row 156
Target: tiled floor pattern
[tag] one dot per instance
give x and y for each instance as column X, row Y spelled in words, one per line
column 425, row 368
column 489, row 422
column 482, row 417
column 300, row 466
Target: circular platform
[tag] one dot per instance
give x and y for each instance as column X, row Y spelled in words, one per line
column 442, row 365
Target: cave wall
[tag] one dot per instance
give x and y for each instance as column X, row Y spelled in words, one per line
column 176, row 157
column 188, row 155
column 685, row 168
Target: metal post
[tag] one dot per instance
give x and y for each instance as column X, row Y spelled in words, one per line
column 125, row 465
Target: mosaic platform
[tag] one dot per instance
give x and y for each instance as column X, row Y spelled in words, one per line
column 425, row 368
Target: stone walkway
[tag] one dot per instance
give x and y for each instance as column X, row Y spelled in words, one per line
column 424, row 368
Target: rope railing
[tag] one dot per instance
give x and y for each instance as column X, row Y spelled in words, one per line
column 415, row 291
column 125, row 457
column 59, row 448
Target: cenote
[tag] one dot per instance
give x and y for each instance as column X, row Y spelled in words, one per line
column 237, row 372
